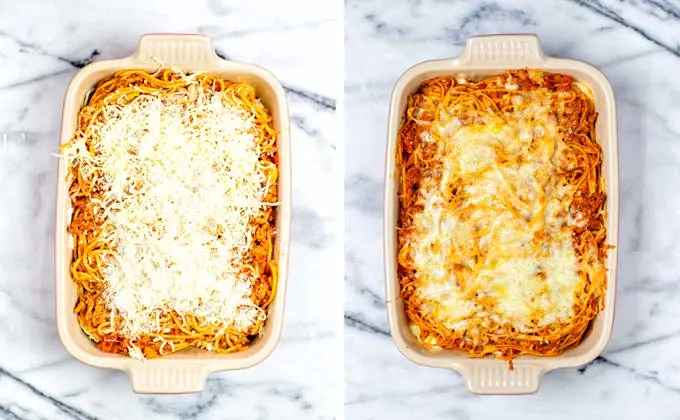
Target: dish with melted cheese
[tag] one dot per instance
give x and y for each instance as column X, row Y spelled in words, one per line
column 173, row 189
column 502, row 221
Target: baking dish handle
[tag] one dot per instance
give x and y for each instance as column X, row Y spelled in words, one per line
column 166, row 379
column 496, row 378
column 503, row 49
column 176, row 50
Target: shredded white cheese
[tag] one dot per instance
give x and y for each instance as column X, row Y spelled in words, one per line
column 182, row 182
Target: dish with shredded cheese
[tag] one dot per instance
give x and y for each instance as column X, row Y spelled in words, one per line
column 502, row 221
column 173, row 187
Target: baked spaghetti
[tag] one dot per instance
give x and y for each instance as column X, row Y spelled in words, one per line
column 502, row 224
column 173, row 188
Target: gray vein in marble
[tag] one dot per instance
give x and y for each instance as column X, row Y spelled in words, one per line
column 35, row 79
column 649, row 110
column 300, row 122
column 460, row 31
column 320, row 101
column 374, row 299
column 364, row 193
column 292, row 395
column 218, row 7
column 652, row 376
column 383, row 28
column 214, row 32
column 456, row 413
column 29, row 310
column 6, row 413
column 628, row 58
column 650, row 285
column 40, row 366
column 352, row 280
column 599, row 8
column 466, row 26
column 638, row 344
column 636, row 237
column 404, row 395
column 207, row 400
column 308, row 228
column 29, row 46
column 484, row 12
column 217, row 388
column 665, row 6
column 61, row 406
column 357, row 321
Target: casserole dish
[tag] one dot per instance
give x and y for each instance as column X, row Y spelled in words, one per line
column 186, row 370
column 483, row 57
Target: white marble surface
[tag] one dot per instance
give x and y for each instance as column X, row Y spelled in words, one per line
column 636, row 43
column 42, row 44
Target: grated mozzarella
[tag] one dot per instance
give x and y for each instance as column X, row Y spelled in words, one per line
column 182, row 182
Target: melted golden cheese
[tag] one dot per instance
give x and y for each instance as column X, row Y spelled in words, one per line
column 501, row 247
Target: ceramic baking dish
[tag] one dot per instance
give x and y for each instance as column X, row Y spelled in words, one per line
column 187, row 370
column 486, row 56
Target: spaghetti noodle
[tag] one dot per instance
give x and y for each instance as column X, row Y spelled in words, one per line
column 502, row 221
column 173, row 186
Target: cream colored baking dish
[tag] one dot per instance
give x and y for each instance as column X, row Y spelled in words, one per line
column 486, row 56
column 187, row 370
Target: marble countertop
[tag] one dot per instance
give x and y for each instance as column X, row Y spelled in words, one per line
column 42, row 45
column 636, row 43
